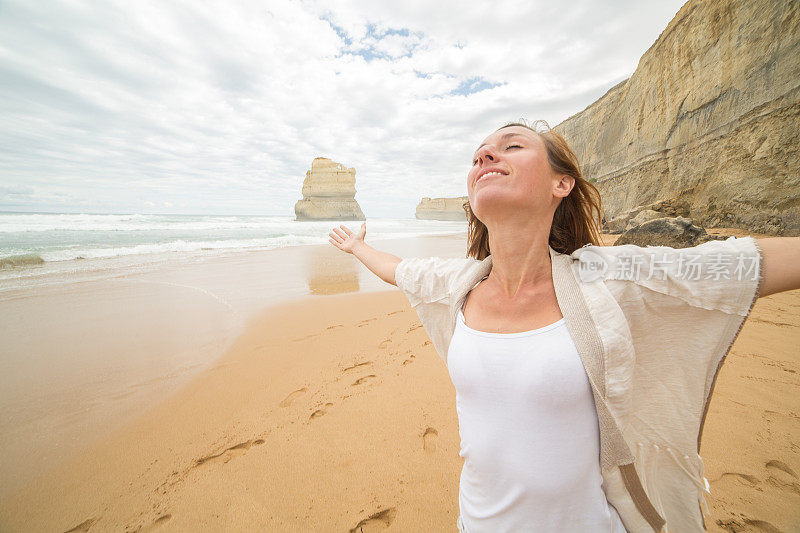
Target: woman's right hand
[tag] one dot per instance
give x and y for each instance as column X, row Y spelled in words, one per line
column 345, row 239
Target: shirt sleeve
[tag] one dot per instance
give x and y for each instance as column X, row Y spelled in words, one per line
column 721, row 275
column 428, row 279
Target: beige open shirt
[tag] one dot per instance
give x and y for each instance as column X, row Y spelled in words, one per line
column 652, row 325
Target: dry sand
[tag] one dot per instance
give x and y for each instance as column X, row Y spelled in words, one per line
column 334, row 412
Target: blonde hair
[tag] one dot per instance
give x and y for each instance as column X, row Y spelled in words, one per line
column 573, row 221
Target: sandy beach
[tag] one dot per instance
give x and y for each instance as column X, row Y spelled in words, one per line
column 83, row 354
column 186, row 347
column 332, row 412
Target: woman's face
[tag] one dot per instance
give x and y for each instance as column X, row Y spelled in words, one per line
column 511, row 174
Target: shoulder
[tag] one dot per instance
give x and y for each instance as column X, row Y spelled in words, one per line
column 717, row 274
column 411, row 268
column 429, row 279
column 435, row 262
column 621, row 262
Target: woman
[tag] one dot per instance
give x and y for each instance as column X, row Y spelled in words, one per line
column 551, row 429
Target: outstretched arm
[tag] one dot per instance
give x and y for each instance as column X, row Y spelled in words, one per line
column 381, row 264
column 781, row 256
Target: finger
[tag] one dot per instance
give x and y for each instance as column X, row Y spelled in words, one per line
column 340, row 233
column 346, row 230
column 335, row 237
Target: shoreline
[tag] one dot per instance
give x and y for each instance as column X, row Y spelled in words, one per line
column 34, row 274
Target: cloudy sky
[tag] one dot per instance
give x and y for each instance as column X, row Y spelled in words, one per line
column 219, row 107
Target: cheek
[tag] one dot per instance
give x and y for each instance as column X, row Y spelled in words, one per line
column 533, row 187
column 536, row 174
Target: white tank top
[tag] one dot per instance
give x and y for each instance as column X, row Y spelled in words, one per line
column 529, row 433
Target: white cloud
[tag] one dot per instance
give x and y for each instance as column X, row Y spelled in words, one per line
column 220, row 107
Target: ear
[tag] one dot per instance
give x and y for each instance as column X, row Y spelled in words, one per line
column 563, row 186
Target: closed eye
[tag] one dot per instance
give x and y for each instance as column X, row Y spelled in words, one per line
column 475, row 161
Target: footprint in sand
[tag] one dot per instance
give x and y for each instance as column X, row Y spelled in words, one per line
column 749, row 480
column 780, row 465
column 747, row 525
column 361, row 380
column 780, row 474
column 292, row 397
column 319, row 412
column 229, row 453
column 376, row 521
column 160, row 521
column 357, row 365
column 306, row 337
column 773, row 322
column 394, row 312
column 83, row 526
column 429, row 439
column 413, row 328
column 385, row 343
column 336, row 326
column 366, row 322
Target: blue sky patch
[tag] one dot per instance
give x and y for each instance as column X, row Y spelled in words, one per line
column 474, row 85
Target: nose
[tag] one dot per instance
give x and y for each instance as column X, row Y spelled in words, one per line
column 485, row 153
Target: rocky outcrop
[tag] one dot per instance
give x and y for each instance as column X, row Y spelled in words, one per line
column 641, row 213
column 23, row 260
column 442, row 208
column 675, row 232
column 642, row 217
column 710, row 119
column 329, row 191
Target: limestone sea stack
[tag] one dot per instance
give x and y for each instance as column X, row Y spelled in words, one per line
column 709, row 120
column 442, row 208
column 329, row 191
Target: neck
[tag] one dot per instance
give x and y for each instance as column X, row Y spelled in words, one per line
column 520, row 257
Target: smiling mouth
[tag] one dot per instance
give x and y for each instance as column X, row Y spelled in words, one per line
column 487, row 175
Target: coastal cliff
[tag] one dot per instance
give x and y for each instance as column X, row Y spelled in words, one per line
column 710, row 119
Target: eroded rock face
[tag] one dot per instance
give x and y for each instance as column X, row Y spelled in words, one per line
column 329, row 191
column 442, row 208
column 709, row 119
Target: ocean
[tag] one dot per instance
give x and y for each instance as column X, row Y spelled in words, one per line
column 35, row 247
